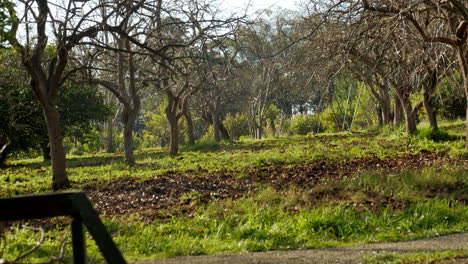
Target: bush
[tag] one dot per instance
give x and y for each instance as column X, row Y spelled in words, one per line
column 204, row 145
column 273, row 121
column 332, row 120
column 304, row 124
column 156, row 132
column 237, row 125
column 437, row 136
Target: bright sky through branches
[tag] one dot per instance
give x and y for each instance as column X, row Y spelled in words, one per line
column 256, row 5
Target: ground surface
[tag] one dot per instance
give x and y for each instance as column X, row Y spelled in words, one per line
column 329, row 255
column 154, row 198
column 214, row 200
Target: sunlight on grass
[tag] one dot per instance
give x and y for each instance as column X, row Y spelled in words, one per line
column 369, row 206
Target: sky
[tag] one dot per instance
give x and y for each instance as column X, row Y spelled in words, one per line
column 260, row 4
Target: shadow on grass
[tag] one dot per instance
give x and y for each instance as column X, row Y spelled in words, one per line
column 92, row 161
column 201, row 146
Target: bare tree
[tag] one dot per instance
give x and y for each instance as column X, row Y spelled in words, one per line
column 126, row 89
column 434, row 21
column 46, row 60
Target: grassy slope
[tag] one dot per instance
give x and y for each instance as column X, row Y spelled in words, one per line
column 377, row 206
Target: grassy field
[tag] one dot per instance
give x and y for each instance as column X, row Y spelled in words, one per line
column 314, row 191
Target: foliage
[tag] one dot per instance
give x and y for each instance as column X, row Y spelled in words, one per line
column 7, row 16
column 81, row 107
column 273, row 119
column 363, row 113
column 437, row 136
column 21, row 118
column 334, row 119
column 350, row 108
column 22, row 121
column 303, row 124
column 156, row 132
column 237, row 125
column 449, row 102
column 205, row 145
column 90, row 143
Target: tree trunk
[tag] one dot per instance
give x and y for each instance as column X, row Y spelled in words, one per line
column 216, row 121
column 4, row 151
column 430, row 112
column 3, row 157
column 398, row 113
column 410, row 115
column 174, row 133
column 463, row 62
column 208, row 117
column 258, row 131
column 223, row 130
column 386, row 110
column 190, row 133
column 129, row 119
column 109, row 139
column 172, row 118
column 57, row 152
column 216, row 132
column 45, row 150
column 380, row 117
column 465, row 85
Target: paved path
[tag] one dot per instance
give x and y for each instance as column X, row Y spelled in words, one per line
column 328, row 255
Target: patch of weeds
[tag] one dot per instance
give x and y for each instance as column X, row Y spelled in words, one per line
column 272, row 220
column 459, row 150
column 18, row 239
column 392, row 132
column 206, row 145
column 439, row 135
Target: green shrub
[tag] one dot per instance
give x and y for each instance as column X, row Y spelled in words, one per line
column 237, row 125
column 156, row 132
column 273, row 121
column 437, row 136
column 304, row 124
column 203, row 145
column 334, row 120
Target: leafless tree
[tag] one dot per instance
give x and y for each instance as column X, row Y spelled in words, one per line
column 44, row 33
column 433, row 21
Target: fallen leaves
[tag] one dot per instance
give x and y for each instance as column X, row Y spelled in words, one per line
column 174, row 193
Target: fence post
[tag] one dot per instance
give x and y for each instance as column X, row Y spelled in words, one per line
column 78, row 241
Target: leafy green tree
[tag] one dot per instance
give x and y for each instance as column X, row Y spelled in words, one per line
column 19, row 112
column 7, row 16
column 22, row 125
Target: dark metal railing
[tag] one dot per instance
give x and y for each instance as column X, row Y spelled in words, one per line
column 74, row 204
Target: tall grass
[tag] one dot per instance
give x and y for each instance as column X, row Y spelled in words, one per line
column 250, row 224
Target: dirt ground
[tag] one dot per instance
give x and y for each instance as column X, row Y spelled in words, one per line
column 347, row 255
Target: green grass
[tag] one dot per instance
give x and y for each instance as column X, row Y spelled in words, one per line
column 250, row 227
column 370, row 207
column 237, row 156
column 269, row 220
column 255, row 224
